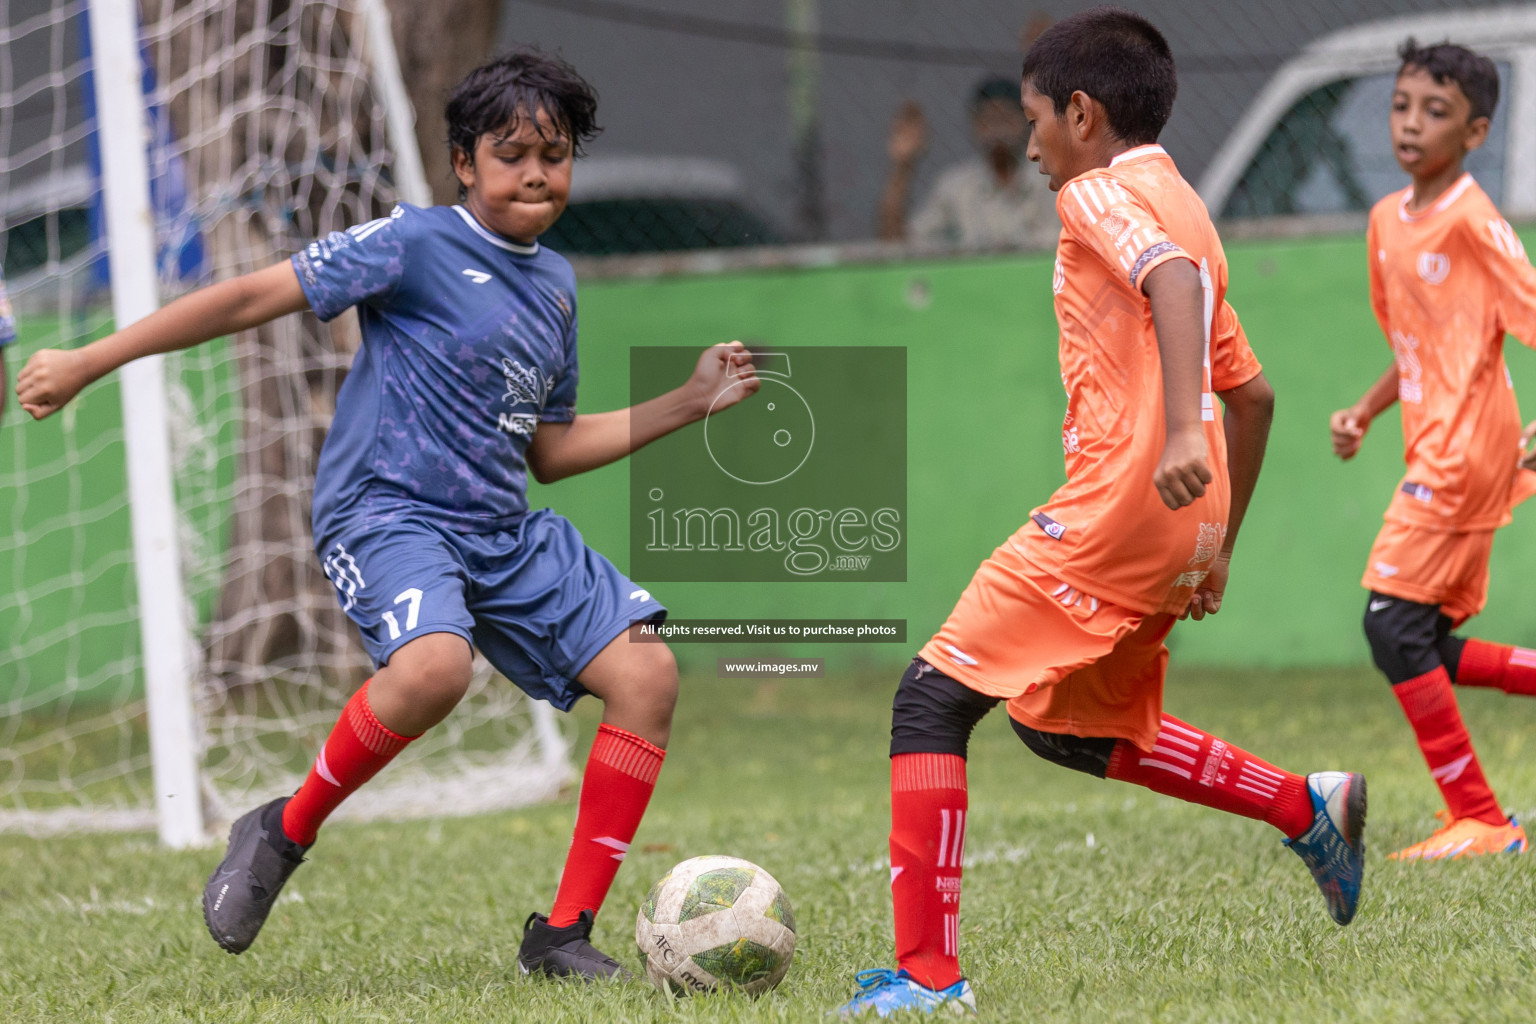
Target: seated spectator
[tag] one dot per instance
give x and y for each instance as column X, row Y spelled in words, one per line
column 995, row 199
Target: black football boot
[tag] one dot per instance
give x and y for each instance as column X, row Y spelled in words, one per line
column 242, row 889
column 565, row 952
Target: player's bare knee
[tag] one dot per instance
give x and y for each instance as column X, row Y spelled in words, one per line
column 655, row 680
column 637, row 682
column 428, row 676
column 444, row 686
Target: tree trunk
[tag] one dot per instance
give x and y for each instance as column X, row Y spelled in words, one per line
column 274, row 123
column 439, row 42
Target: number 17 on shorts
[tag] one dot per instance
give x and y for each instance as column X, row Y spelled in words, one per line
column 397, row 587
column 412, row 614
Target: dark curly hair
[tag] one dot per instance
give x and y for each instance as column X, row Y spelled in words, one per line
column 497, row 95
column 1446, row 62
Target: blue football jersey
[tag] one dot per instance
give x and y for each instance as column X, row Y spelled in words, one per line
column 469, row 342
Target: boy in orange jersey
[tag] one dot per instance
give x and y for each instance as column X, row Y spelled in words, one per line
column 1448, row 279
column 1066, row 620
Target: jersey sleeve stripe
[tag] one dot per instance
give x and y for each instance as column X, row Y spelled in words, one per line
column 1096, row 194
column 362, row 231
column 1077, row 193
column 1505, row 239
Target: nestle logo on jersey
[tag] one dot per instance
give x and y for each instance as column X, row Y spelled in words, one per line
column 526, row 385
column 1211, row 535
column 520, row 424
column 1118, row 227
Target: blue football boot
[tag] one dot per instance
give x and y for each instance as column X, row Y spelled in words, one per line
column 884, row 992
column 1334, row 847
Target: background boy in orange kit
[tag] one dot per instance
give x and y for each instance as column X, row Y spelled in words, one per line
column 1066, row 620
column 1449, row 278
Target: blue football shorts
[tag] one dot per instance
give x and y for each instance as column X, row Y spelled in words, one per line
column 536, row 601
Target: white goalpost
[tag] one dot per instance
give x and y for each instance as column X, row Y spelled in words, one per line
column 130, row 230
column 175, row 653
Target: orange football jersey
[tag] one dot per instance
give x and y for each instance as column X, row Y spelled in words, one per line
column 1106, row 531
column 1447, row 283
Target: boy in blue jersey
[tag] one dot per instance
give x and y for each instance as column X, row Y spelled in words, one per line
column 466, row 381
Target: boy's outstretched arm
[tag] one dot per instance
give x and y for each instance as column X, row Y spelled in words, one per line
column 1348, row 426
column 1250, row 408
column 1178, row 313
column 559, row 450
column 53, row 376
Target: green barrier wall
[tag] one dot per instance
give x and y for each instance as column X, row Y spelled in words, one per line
column 984, row 438
column 983, row 441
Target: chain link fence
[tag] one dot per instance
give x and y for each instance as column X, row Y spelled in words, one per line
column 740, row 122
column 743, row 123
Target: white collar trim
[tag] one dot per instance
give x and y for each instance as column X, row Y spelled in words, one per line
column 1451, row 195
column 493, row 238
column 1151, row 149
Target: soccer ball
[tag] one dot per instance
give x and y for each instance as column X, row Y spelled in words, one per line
column 716, row 922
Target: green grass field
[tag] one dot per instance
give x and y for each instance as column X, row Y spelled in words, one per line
column 1169, row 912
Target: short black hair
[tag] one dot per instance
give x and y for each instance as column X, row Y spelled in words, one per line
column 498, row 94
column 1116, row 57
column 1475, row 74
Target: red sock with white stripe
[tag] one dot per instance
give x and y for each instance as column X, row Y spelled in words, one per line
column 1511, row 669
column 359, row 745
column 928, row 804
column 1197, row 767
column 1430, row 705
column 615, row 788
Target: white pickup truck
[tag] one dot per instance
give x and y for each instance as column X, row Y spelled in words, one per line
column 1315, row 141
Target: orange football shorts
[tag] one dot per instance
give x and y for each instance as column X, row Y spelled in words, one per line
column 1065, row 661
column 1448, row 569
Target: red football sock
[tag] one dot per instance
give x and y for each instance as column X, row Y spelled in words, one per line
column 1430, row 704
column 621, row 773
column 1511, row 669
column 357, row 748
column 928, row 804
column 1197, row 767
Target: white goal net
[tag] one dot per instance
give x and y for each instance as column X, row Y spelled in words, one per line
column 269, row 125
